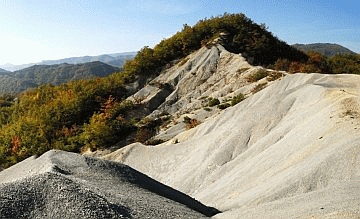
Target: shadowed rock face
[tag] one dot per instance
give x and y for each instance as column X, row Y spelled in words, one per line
column 66, row 185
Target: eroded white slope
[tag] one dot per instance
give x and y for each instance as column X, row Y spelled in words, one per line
column 208, row 72
column 291, row 150
column 184, row 89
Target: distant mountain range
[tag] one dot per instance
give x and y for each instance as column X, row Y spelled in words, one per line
column 3, row 71
column 116, row 59
column 327, row 49
column 18, row 81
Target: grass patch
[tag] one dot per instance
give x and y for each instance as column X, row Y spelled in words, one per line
column 258, row 87
column 274, row 76
column 213, row 102
column 237, row 99
column 242, row 70
column 258, row 75
column 224, row 105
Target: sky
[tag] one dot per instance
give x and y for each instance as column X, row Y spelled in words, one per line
column 36, row 30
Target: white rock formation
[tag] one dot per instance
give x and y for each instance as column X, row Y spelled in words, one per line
column 186, row 87
column 291, row 150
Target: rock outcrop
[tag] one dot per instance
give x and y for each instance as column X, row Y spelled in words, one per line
column 289, row 151
column 185, row 88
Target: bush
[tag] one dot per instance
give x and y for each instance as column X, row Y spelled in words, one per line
column 102, row 132
column 242, row 70
column 274, row 76
column 154, row 141
column 143, row 134
column 258, row 87
column 345, row 64
column 190, row 123
column 213, row 102
column 148, row 128
column 258, row 75
column 223, row 106
column 281, row 65
column 237, row 99
column 318, row 63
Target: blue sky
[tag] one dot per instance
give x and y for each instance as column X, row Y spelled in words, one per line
column 36, row 30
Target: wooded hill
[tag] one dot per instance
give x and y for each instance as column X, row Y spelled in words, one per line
column 34, row 76
column 116, row 59
column 3, row 71
column 327, row 49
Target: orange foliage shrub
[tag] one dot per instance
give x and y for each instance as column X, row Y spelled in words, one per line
column 15, row 144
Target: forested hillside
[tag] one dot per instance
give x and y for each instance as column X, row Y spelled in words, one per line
column 2, row 71
column 18, row 81
column 319, row 63
column 327, row 49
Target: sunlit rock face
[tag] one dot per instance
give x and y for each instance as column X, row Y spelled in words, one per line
column 289, row 151
column 184, row 89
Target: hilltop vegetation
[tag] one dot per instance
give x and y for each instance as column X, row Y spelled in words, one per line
column 94, row 113
column 236, row 32
column 239, row 34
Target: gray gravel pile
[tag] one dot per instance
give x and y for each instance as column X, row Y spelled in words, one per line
column 66, row 185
